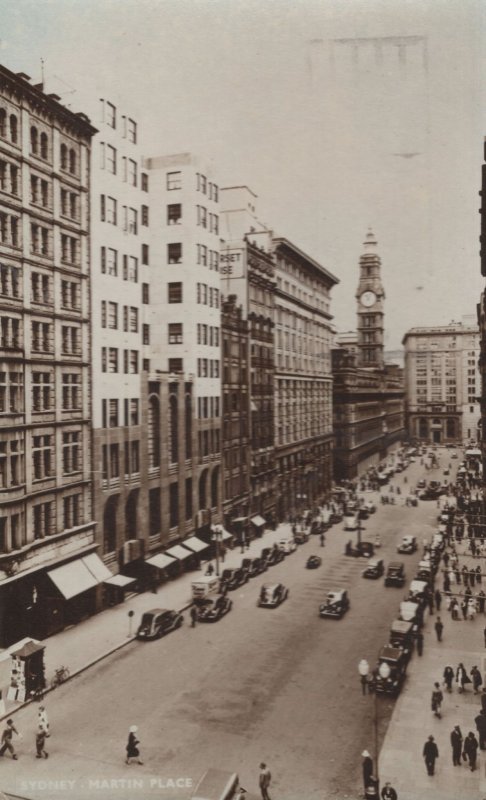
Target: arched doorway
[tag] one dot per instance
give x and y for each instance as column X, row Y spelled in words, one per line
column 215, row 487
column 109, row 524
column 203, row 490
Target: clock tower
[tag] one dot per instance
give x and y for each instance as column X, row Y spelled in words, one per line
column 370, row 296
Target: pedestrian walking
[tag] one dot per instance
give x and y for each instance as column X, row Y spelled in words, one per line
column 42, row 719
column 480, row 722
column 436, row 700
column 193, row 615
column 462, row 677
column 40, row 742
column 481, row 602
column 448, row 678
column 471, row 609
column 439, row 627
column 322, row 539
column 132, row 748
column 471, row 749
column 454, row 610
column 419, row 638
column 477, row 680
column 6, row 741
column 367, row 768
column 388, row 792
column 438, row 599
column 464, row 609
column 209, row 569
column 430, row 754
column 456, row 744
column 264, row 780
column 479, row 574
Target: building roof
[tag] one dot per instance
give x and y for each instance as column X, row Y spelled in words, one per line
column 285, row 244
column 441, row 330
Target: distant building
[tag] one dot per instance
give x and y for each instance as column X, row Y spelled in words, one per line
column 368, row 395
column 47, row 530
column 443, row 382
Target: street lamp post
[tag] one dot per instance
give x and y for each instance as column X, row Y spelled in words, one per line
column 384, row 672
column 217, row 537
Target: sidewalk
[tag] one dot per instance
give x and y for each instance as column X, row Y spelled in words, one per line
column 81, row 645
column 401, row 760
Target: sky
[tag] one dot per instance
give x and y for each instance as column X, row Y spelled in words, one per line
column 338, row 115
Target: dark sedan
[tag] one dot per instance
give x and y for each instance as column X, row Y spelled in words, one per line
column 313, row 562
column 157, row 622
column 253, row 566
column 213, row 608
column 233, row 578
column 375, row 568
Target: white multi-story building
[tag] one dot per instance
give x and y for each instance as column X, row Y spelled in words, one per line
column 119, row 326
column 443, row 382
column 185, row 303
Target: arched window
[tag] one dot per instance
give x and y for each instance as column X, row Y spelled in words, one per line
column 173, row 429
column 131, row 515
column 72, row 162
column 44, row 145
column 34, row 140
column 215, row 487
column 3, row 123
column 153, row 432
column 13, row 129
column 188, row 424
column 64, row 159
column 203, row 485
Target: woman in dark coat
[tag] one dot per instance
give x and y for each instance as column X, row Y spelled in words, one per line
column 132, row 746
column 448, row 678
column 462, row 677
column 471, row 749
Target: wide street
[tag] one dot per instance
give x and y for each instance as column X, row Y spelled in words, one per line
column 279, row 685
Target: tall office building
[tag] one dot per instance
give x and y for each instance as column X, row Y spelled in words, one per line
column 47, row 532
column 186, row 314
column 443, row 382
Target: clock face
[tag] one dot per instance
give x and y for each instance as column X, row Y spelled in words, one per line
column 368, row 298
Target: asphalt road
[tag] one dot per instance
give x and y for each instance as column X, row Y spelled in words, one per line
column 279, row 685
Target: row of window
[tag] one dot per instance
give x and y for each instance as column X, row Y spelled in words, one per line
column 207, row 295
column 109, row 264
column 109, row 161
column 40, row 239
column 42, row 389
column 207, row 368
column 111, row 360
column 44, row 522
column 207, row 220
column 42, row 457
column 109, row 214
column 42, row 339
column 110, row 317
column 109, row 116
column 41, row 288
column 208, row 407
column 111, row 412
column 208, row 334
column 110, row 457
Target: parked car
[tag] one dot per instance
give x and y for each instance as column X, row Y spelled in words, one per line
column 157, row 622
column 454, row 455
column 272, row 555
column 425, row 572
column 417, row 591
column 335, row 518
column 411, row 611
column 253, row 566
column 389, row 679
column 213, row 608
column 233, row 578
column 369, row 506
column 287, row 546
column 272, row 594
column 407, row 545
column 375, row 568
column 336, row 604
column 395, row 574
column 421, row 484
column 300, row 537
column 313, row 562
column 402, row 634
column 204, row 586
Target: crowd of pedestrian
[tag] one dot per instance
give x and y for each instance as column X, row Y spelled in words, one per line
column 42, row 732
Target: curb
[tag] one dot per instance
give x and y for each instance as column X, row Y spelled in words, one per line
column 78, row 671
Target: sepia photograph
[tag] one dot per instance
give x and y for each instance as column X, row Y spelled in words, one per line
column 242, row 388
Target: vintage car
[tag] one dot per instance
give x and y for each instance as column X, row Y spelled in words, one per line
column 402, row 634
column 389, row 674
column 336, row 605
column 213, row 608
column 335, row 518
column 272, row 594
column 395, row 574
column 233, row 578
column 454, row 455
column 157, row 622
column 313, row 562
column 365, row 549
column 301, row 536
column 411, row 611
column 421, row 484
column 253, row 566
column 407, row 545
column 363, row 513
column 425, row 571
column 369, row 506
column 417, row 591
column 287, row 546
column 272, row 555
column 375, row 568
